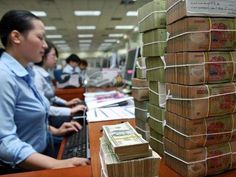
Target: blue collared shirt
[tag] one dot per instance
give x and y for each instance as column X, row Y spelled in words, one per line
column 23, row 113
column 44, row 85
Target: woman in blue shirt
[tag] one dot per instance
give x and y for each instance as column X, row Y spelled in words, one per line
column 72, row 62
column 46, row 88
column 23, row 112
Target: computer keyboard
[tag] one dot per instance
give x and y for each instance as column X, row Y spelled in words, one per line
column 76, row 144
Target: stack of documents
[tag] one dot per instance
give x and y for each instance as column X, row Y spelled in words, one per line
column 105, row 99
column 110, row 113
column 112, row 105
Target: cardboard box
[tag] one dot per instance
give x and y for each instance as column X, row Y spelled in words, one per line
column 151, row 16
column 200, row 161
column 195, row 68
column 202, row 34
column 194, row 102
column 178, row 9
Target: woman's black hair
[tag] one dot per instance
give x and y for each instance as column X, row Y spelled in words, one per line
column 73, row 57
column 84, row 62
column 46, row 51
column 19, row 20
column 1, row 51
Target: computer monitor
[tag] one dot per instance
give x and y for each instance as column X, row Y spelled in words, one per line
column 130, row 65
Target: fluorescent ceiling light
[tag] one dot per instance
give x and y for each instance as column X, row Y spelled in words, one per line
column 53, row 36
column 65, row 49
column 85, row 41
column 132, row 13
column 86, row 27
column 110, row 40
column 62, row 45
column 124, row 27
column 105, row 44
column 50, row 28
column 84, row 48
column 87, row 12
column 84, row 45
column 115, row 35
column 85, row 35
column 59, row 42
column 39, row 13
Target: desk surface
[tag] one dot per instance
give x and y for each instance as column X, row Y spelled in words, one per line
column 93, row 170
column 70, row 93
column 81, row 171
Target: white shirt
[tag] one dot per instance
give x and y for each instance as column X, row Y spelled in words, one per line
column 68, row 69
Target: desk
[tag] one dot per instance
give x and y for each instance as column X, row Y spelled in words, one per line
column 95, row 89
column 70, row 93
column 95, row 132
column 93, row 170
column 81, row 171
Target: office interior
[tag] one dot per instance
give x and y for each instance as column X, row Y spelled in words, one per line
column 105, row 33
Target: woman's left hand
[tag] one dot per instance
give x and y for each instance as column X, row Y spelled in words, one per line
column 73, row 102
column 68, row 127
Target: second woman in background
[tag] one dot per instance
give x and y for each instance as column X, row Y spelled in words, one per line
column 45, row 86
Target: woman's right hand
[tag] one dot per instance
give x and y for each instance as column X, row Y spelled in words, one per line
column 72, row 162
column 77, row 108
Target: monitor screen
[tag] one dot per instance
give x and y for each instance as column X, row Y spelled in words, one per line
column 130, row 65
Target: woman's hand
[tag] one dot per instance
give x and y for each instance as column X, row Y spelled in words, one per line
column 72, row 162
column 73, row 102
column 38, row 161
column 66, row 128
column 77, row 108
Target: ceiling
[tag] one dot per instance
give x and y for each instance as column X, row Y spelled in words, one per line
column 60, row 13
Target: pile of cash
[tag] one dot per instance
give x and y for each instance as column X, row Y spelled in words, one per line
column 202, row 34
column 178, row 9
column 202, row 161
column 194, row 102
column 140, row 89
column 124, row 153
column 123, row 139
column 194, row 68
column 151, row 16
column 139, row 167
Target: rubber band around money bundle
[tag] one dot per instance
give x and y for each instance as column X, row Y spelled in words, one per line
column 157, row 11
